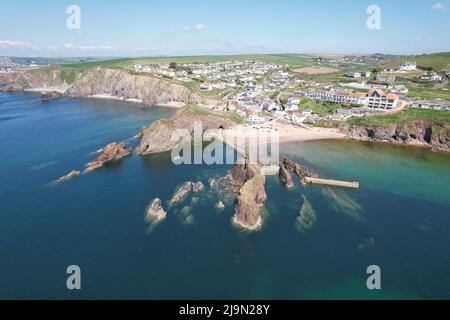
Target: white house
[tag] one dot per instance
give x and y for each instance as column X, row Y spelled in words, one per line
column 431, row 77
column 292, row 104
column 407, row 66
column 337, row 97
column 353, row 75
column 398, row 89
column 377, row 99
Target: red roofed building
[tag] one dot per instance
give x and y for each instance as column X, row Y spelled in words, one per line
column 377, row 99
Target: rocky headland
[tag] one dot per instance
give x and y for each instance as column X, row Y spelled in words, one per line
column 164, row 135
column 103, row 82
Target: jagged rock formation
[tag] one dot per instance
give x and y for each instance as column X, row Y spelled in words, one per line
column 288, row 167
column 182, row 193
column 112, row 152
column 198, row 187
column 248, row 183
column 155, row 212
column 220, row 206
column 104, row 81
column 48, row 96
column 286, row 177
column 165, row 135
column 418, row 133
column 71, row 175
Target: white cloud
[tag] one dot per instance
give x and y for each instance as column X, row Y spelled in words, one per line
column 71, row 46
column 438, row 6
column 197, row 27
column 200, row 27
column 17, row 44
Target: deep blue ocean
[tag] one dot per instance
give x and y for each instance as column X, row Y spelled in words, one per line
column 398, row 220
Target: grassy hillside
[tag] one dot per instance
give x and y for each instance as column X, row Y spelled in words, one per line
column 437, row 61
column 294, row 60
column 433, row 117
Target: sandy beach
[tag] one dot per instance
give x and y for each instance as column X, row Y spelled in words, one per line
column 285, row 132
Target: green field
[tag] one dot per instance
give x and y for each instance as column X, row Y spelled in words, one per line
column 435, row 118
column 437, row 61
column 425, row 92
column 233, row 117
column 293, row 60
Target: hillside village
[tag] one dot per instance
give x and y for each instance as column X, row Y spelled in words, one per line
column 261, row 92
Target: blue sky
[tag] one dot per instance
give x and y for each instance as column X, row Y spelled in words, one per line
column 177, row 27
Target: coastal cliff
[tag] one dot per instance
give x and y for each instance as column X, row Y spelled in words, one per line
column 103, row 82
column 418, row 133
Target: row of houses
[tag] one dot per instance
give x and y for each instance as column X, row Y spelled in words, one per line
column 430, row 105
column 337, row 96
column 374, row 99
column 365, row 74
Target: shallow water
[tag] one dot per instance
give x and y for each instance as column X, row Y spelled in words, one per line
column 399, row 219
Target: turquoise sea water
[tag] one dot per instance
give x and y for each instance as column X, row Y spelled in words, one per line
column 399, row 219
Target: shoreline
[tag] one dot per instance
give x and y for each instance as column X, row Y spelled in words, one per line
column 283, row 133
column 171, row 104
column 286, row 132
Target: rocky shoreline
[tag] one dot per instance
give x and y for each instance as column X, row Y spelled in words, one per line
column 417, row 133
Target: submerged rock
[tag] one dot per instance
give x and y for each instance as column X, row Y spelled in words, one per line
column 112, row 152
column 367, row 243
column 186, row 216
column 182, row 193
column 220, row 206
column 198, row 187
column 344, row 203
column 71, row 175
column 155, row 212
column 307, row 218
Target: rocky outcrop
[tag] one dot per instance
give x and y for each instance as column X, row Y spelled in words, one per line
column 248, row 183
column 155, row 212
column 418, row 133
column 220, row 206
column 286, row 177
column 299, row 170
column 112, row 152
column 198, row 187
column 182, row 193
column 165, row 135
column 71, row 175
column 48, row 96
